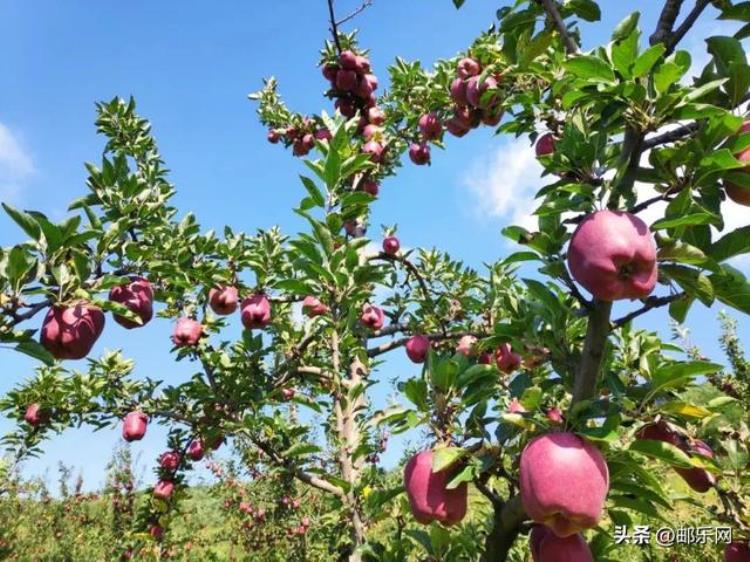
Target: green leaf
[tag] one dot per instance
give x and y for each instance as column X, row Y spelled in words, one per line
column 625, row 52
column 646, row 61
column 590, row 68
column 738, row 12
column 730, row 245
column 626, row 27
column 34, row 349
column 458, row 3
column 586, row 9
column 686, row 220
column 661, row 451
column 726, row 51
column 700, row 91
column 732, row 288
column 667, row 74
column 678, row 374
column 445, row 457
column 23, row 219
column 312, row 189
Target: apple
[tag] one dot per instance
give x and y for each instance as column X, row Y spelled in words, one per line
column 507, row 360
column 329, row 72
column 346, row 107
column 312, row 307
column 564, row 482
column 223, row 300
column 391, row 245
column 545, row 145
column 545, row 546
column 735, row 192
column 372, row 317
column 485, row 358
column 346, row 80
column 288, row 393
column 170, row 460
column 371, row 131
column 362, row 64
column 303, row 145
column 35, row 415
column 372, row 83
column 134, row 426
column 371, row 187
column 429, row 498
column 455, row 126
column 612, row 254
column 417, row 348
column 376, row 116
column 163, row 489
column 273, row 136
column 69, row 332
column 256, row 312
column 430, row 126
column 292, row 133
column 698, row 479
column 737, row 551
column 419, row 153
column 323, row 134
column 374, row 149
column 466, row 345
column 458, row 92
column 475, row 91
column 195, row 450
column 187, row 332
column 156, row 531
column 492, row 116
column 348, row 60
column 555, row 416
column 468, row 67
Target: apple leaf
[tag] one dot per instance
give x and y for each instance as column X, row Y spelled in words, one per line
column 661, row 451
column 445, row 457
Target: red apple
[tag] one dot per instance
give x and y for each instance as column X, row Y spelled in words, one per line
column 36, row 415
column 735, row 192
column 371, row 187
column 555, row 416
column 545, row 546
column 419, row 153
column 273, row 136
column 156, row 531
column 417, row 348
column 323, row 134
column 362, row 64
column 613, row 255
column 256, row 312
column 429, row 498
column 346, row 107
column 430, row 126
column 455, row 127
column 348, row 60
column 545, row 145
column 346, row 80
column 371, row 131
column 134, row 426
column 466, row 345
column 737, row 551
column 312, row 307
column 69, row 332
column 223, row 300
column 564, row 482
column 288, row 393
column 329, row 72
column 170, row 460
column 468, row 67
column 376, row 116
column 372, row 317
column 458, row 91
column 492, row 116
column 195, row 450
column 374, row 149
column 698, row 479
column 391, row 245
column 507, row 360
column 163, row 489
column 485, row 358
column 475, row 90
column 187, row 332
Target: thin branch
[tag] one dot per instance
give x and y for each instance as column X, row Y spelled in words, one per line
column 33, row 310
column 550, row 7
column 334, row 26
column 690, row 20
column 671, row 136
column 667, row 19
column 394, row 344
column 366, row 4
column 649, row 304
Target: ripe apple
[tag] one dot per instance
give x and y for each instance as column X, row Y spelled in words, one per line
column 564, row 482
column 545, row 145
column 455, row 126
column 163, row 489
column 698, row 479
column 492, row 116
column 417, row 348
column 362, row 64
column 329, row 72
column 555, row 416
column 223, row 300
column 346, row 107
column 372, row 131
column 69, row 332
column 187, row 332
column 468, row 67
column 312, row 307
column 323, row 134
column 737, row 193
column 372, row 317
column 545, row 546
column 346, row 80
column 134, row 426
column 170, row 460
column 429, row 497
column 737, row 551
column 613, row 255
column 430, row 126
column 371, row 187
column 475, row 92
column 156, row 531
column 466, row 345
column 376, row 116
column 507, row 360
column 419, row 153
column 458, row 92
column 288, row 393
column 36, row 415
column 195, row 450
column 256, row 312
column 485, row 358
column 348, row 60
column 374, row 149
column 391, row 245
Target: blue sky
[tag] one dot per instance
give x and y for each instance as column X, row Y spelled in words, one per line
column 190, row 70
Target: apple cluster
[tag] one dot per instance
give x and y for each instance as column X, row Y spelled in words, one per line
column 475, row 98
column 300, row 137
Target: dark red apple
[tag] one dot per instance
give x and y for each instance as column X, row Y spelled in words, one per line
column 346, row 80
column 430, row 126
column 372, row 317
column 468, row 67
column 564, row 482
column 419, row 153
column 312, row 307
column 170, row 460
column 507, row 360
column 545, row 145
column 273, row 136
column 156, row 532
column 256, row 312
column 195, row 450
column 329, row 72
column 69, row 332
column 223, row 300
column 134, row 426
column 370, row 186
column 163, row 489
column 391, row 245
column 475, row 90
column 429, row 498
column 613, row 255
column 417, row 348
column 698, row 479
column 346, row 107
column 458, row 92
column 36, row 415
column 187, row 332
column 737, row 551
column 323, row 134
column 348, row 60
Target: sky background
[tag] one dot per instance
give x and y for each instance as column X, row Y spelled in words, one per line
column 190, row 67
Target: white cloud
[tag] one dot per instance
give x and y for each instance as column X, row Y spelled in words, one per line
column 505, row 181
column 16, row 165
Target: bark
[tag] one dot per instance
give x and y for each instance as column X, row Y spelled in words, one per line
column 508, row 518
column 594, row 346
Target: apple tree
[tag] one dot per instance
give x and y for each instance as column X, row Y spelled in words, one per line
column 534, row 383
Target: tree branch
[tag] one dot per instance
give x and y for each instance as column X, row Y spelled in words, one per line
column 334, row 26
column 507, row 524
column 391, row 345
column 664, row 27
column 366, row 4
column 681, row 31
column 550, row 6
column 649, row 304
column 670, row 136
